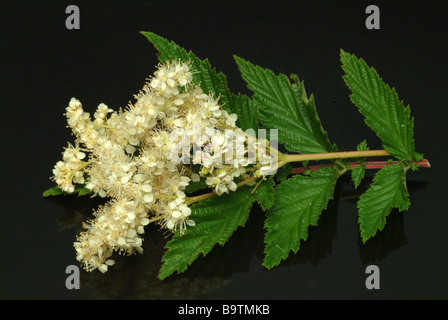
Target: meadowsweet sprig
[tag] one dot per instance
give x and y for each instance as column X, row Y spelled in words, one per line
column 187, row 132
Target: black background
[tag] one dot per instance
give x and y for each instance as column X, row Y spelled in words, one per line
column 43, row 65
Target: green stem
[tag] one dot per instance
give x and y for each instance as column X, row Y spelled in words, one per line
column 286, row 158
column 85, row 165
column 190, row 200
column 155, row 219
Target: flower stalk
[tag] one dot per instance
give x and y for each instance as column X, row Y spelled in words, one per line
column 191, row 200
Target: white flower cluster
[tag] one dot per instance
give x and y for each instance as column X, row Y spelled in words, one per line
column 131, row 161
column 69, row 171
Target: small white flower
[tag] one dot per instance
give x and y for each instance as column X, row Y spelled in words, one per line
column 146, row 187
column 148, row 198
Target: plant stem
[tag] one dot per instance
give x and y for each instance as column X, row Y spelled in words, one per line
column 286, row 158
column 190, row 200
column 333, row 155
column 368, row 165
column 84, row 165
column 157, row 218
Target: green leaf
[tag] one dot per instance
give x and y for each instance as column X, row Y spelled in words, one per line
column 80, row 190
column 298, row 204
column 246, row 111
column 210, row 81
column 216, row 219
column 358, row 172
column 383, row 111
column 387, row 191
column 285, row 106
column 357, row 175
column 362, row 146
column 196, row 186
column 265, row 196
column 54, row 191
column 283, row 173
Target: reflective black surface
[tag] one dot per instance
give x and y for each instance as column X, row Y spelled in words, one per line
column 43, row 65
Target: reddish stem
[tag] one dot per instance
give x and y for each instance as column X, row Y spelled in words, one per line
column 369, row 165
